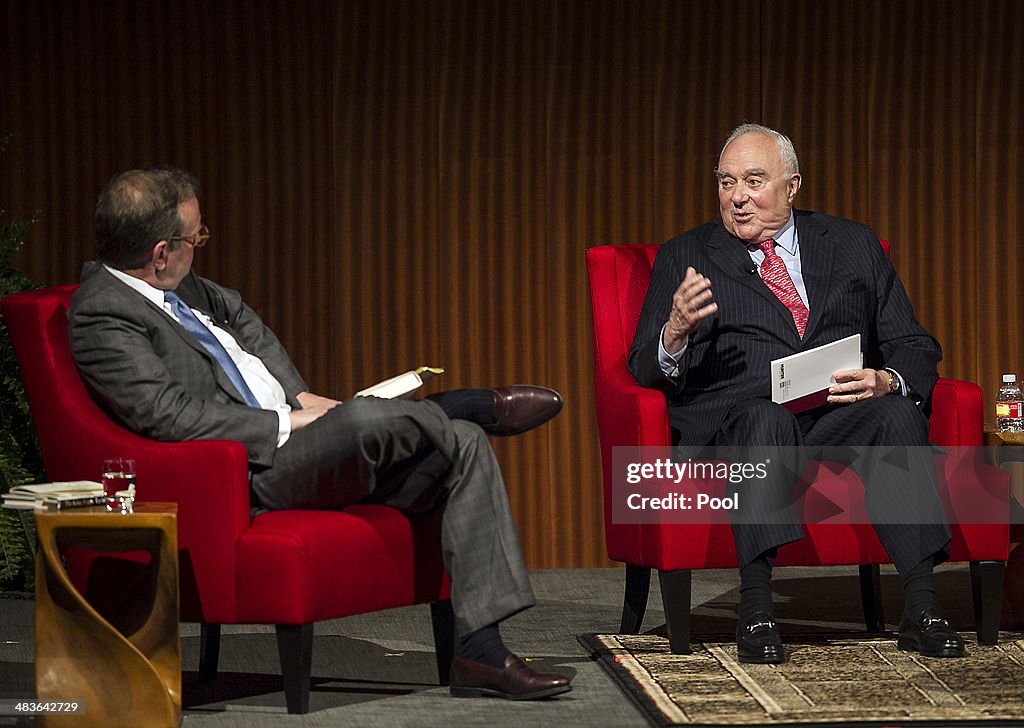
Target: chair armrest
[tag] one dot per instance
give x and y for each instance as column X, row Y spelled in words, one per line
column 627, row 413
column 957, row 413
column 209, row 480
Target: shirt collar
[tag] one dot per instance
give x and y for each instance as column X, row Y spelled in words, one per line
column 151, row 293
column 786, row 238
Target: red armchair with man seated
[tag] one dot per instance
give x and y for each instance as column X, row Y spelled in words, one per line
column 631, row 415
column 287, row 568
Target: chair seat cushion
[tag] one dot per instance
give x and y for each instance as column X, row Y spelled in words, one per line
column 297, row 566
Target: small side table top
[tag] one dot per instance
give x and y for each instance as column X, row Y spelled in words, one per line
column 994, row 437
column 144, row 514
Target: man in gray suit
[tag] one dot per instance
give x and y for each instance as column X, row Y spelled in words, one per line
column 708, row 330
column 176, row 357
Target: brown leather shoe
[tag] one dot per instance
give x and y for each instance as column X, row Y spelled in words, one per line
column 515, row 682
column 521, row 407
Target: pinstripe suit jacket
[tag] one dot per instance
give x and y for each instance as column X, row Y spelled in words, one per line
column 157, row 380
column 851, row 286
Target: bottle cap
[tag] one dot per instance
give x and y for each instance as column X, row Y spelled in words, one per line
column 1009, row 378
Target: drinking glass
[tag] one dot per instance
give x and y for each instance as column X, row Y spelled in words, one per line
column 118, row 479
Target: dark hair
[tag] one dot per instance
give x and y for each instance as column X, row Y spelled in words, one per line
column 136, row 210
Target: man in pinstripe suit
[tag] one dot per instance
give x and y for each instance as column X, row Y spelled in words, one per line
column 176, row 357
column 710, row 326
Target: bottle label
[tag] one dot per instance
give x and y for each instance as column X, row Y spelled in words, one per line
column 1008, row 409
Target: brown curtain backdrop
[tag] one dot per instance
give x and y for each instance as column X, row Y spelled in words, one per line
column 403, row 183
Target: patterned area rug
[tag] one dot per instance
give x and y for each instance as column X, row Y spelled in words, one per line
column 855, row 681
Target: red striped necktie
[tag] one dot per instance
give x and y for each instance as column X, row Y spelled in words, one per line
column 776, row 277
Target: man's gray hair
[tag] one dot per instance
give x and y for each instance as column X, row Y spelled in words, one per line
column 786, row 149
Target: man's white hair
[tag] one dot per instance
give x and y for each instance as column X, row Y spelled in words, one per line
column 786, row 149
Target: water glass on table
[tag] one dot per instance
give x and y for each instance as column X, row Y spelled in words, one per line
column 118, row 479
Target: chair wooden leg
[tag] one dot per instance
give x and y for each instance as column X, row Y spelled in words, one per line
column 443, row 619
column 871, row 597
column 987, row 590
column 675, row 596
column 634, row 599
column 295, row 647
column 209, row 651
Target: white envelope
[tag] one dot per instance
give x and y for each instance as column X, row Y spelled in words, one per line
column 801, row 381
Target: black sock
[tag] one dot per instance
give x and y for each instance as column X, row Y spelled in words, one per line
column 475, row 405
column 756, row 586
column 484, row 646
column 919, row 589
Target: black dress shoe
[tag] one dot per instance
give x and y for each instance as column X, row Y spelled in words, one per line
column 521, row 407
column 515, row 681
column 758, row 641
column 930, row 635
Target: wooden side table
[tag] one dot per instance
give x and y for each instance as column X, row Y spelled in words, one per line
column 1006, row 450
column 1009, row 459
column 124, row 667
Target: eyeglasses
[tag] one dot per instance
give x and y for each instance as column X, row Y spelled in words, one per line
column 198, row 240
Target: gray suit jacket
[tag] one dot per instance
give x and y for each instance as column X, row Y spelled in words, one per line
column 851, row 286
column 156, row 379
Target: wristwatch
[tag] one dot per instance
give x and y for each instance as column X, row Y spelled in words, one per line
column 894, row 381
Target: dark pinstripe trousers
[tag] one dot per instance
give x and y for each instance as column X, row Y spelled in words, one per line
column 760, row 428
column 410, row 455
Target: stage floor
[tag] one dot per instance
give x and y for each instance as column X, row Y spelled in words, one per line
column 378, row 669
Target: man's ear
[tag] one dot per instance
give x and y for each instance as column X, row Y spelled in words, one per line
column 158, row 256
column 794, row 186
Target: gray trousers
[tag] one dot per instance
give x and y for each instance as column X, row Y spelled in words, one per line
column 409, row 455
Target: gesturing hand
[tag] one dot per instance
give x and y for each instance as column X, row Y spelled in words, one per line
column 691, row 303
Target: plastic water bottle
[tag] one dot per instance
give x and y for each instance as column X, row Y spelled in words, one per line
column 1009, row 406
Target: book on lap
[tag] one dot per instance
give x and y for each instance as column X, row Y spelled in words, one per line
column 402, row 385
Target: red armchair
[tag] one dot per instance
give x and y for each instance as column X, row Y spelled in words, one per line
column 287, row 568
column 631, row 415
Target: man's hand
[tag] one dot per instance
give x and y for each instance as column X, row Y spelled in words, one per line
column 309, row 400
column 314, row 407
column 691, row 303
column 853, row 385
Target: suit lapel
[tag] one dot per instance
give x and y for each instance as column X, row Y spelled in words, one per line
column 816, row 254
column 731, row 256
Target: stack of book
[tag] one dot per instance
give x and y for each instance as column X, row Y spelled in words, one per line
column 55, row 496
